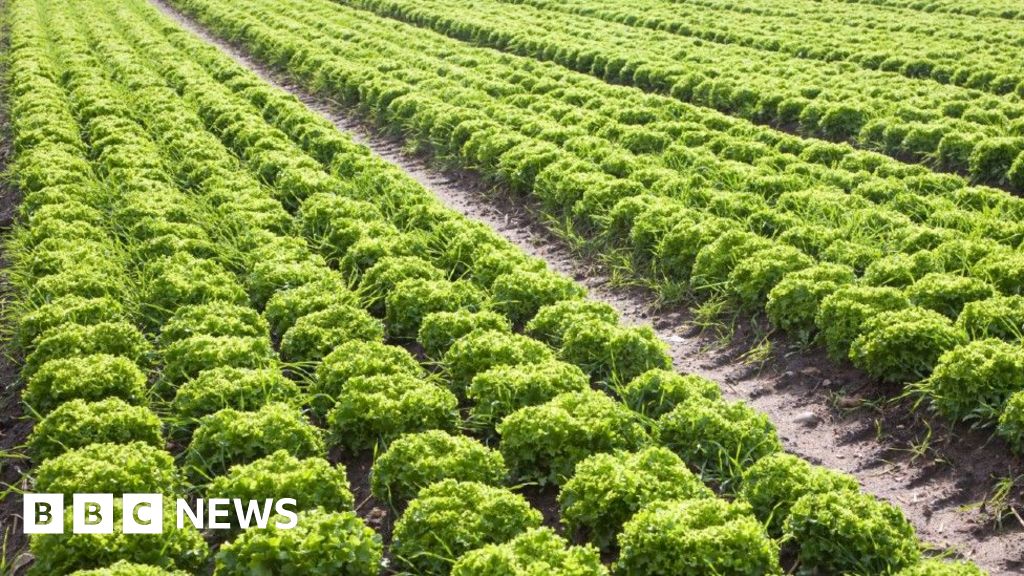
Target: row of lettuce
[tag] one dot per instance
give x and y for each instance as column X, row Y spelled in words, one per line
column 1006, row 9
column 217, row 287
column 912, row 275
column 962, row 51
column 953, row 128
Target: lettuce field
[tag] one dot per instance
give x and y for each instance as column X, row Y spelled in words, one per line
column 225, row 276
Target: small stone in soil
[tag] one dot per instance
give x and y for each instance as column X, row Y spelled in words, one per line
column 807, row 418
column 376, row 517
column 850, row 402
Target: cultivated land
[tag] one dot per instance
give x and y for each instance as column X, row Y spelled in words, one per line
column 489, row 293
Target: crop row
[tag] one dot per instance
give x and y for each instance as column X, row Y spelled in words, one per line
column 208, row 271
column 1006, row 9
column 869, row 16
column 970, row 54
column 902, row 273
column 953, row 127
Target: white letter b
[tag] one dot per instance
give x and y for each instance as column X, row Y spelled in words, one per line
column 92, row 514
column 43, row 513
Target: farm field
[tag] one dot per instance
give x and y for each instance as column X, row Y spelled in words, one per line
column 904, row 272
column 952, row 127
column 922, row 47
column 215, row 288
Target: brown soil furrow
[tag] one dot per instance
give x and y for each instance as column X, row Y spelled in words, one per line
column 14, row 426
column 812, row 401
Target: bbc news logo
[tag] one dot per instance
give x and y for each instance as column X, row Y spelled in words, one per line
column 144, row 513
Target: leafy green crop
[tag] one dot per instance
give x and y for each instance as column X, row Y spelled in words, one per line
column 66, row 309
column 450, row 518
column 381, row 279
column 322, row 543
column 91, row 377
column 181, row 280
column 658, row 391
column 497, row 392
column 535, row 551
column 545, row 442
column 754, row 277
column 1011, row 422
column 904, row 345
column 273, row 273
column 374, row 409
column 439, row 330
column 74, row 340
column 185, row 223
column 948, row 293
column 997, row 317
column 229, row 437
column 715, row 261
column 490, row 262
column 77, row 423
column 123, row 568
column 414, row 461
column 239, row 388
column 519, row 295
column 286, row 306
column 188, row 358
column 552, row 321
column 794, row 301
column 355, row 359
column 109, row 468
column 901, row 270
column 312, row 482
column 174, row 549
column 976, row 379
column 850, row 532
column 608, row 489
column 482, row 350
column 690, row 537
column 941, row 568
column 718, row 438
column 611, row 353
column 1004, row 270
column 314, row 335
column 843, row 312
column 774, row 483
column 212, row 319
column 412, row 300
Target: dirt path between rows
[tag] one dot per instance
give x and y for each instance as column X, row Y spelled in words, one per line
column 14, row 426
column 945, row 480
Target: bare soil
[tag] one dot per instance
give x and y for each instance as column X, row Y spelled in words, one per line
column 14, row 426
column 945, row 478
column 14, row 430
